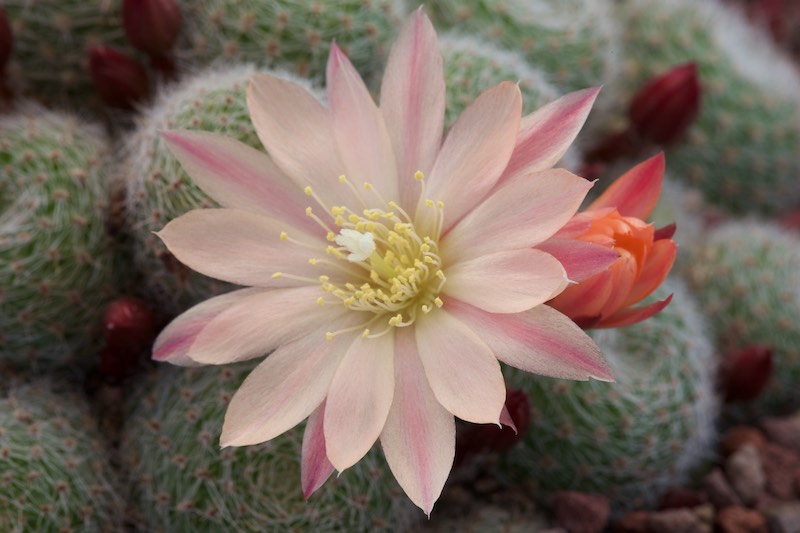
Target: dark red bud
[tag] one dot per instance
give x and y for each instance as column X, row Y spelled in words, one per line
column 119, row 79
column 745, row 372
column 116, row 364
column 151, row 25
column 128, row 324
column 5, row 39
column 665, row 107
column 665, row 232
column 616, row 146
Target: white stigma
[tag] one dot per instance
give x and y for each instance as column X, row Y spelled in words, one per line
column 360, row 245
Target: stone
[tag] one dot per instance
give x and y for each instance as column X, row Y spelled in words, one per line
column 720, row 493
column 784, row 431
column 672, row 520
column 780, row 468
column 783, row 517
column 746, row 474
column 740, row 520
column 737, row 436
column 633, row 522
column 580, row 512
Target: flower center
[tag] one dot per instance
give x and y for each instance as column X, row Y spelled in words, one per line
column 398, row 274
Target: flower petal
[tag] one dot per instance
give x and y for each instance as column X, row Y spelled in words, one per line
column 580, row 259
column 506, row 282
column 656, row 268
column 419, row 437
column 586, row 299
column 635, row 193
column 474, row 153
column 413, row 103
column 315, row 468
column 261, row 323
column 546, row 134
column 359, row 399
column 632, row 315
column 236, row 175
column 297, row 131
column 540, row 340
column 174, row 341
column 461, row 369
column 241, row 247
column 521, row 213
column 358, row 128
column 284, row 389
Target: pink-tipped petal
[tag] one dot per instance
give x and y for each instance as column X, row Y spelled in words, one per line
column 359, row 131
column 546, row 134
column 580, row 259
column 359, row 399
column 419, row 437
column 540, row 341
column 174, row 341
column 636, row 192
column 236, row 175
column 521, row 213
column 506, row 282
column 632, row 315
column 206, row 240
column 297, row 132
column 506, row 420
column 588, row 298
column 656, row 268
column 413, row 102
column 462, row 371
column 284, row 389
column 260, row 324
column 315, row 468
column 474, row 153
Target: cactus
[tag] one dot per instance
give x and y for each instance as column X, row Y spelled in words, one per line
column 56, row 259
column 292, row 35
column 632, row 439
column 56, row 475
column 572, row 40
column 742, row 150
column 50, row 43
column 182, row 481
column 746, row 277
column 159, row 190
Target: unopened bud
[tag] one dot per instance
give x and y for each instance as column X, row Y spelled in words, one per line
column 5, row 39
column 128, row 323
column 665, row 107
column 151, row 25
column 119, row 79
column 745, row 373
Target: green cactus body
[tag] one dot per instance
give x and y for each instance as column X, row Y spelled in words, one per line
column 55, row 473
column 632, row 439
column 742, row 150
column 182, row 481
column 292, row 35
column 50, row 42
column 56, row 258
column 571, row 40
column 159, row 190
column 747, row 278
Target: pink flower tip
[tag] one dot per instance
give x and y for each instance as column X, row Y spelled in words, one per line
column 667, row 105
column 120, row 80
column 151, row 25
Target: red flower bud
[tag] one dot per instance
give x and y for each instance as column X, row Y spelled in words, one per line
column 151, row 25
column 120, row 80
column 5, row 39
column 128, row 323
column 745, row 373
column 667, row 105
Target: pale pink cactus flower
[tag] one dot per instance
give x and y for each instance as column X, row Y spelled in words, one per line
column 389, row 269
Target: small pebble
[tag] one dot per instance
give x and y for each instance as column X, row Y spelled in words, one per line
column 580, row 512
column 745, row 473
column 672, row 520
column 740, row 520
column 737, row 436
column 780, row 466
column 784, row 431
column 720, row 493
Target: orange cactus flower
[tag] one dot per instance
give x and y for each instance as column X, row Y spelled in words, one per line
column 616, row 220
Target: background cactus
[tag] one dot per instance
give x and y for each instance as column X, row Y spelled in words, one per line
column 742, row 150
column 56, row 474
column 292, row 35
column 50, row 42
column 56, row 258
column 747, row 278
column 632, row 439
column 182, row 481
column 574, row 41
